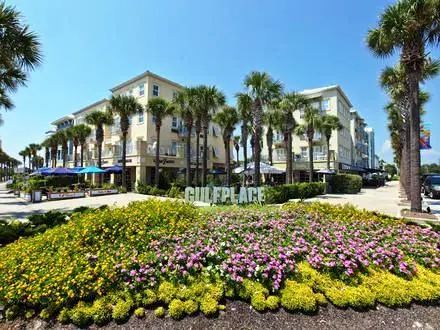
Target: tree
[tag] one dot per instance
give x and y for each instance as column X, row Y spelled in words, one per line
column 227, row 119
column 288, row 104
column 28, row 152
column 98, row 119
column 329, row 124
column 244, row 107
column 23, row 154
column 391, row 169
column 205, row 101
column 82, row 133
column 125, row 106
column 34, row 148
column 273, row 119
column 46, row 144
column 237, row 140
column 19, row 53
column 160, row 109
column 263, row 90
column 409, row 26
column 62, row 139
column 183, row 104
column 312, row 123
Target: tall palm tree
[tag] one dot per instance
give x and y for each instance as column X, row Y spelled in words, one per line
column 46, row 144
column 20, row 53
column 198, row 114
column 329, row 124
column 288, row 104
column 28, row 152
column 62, row 139
column 273, row 119
column 312, row 123
column 244, row 107
column 98, row 119
column 71, row 135
column 23, row 154
column 83, row 131
column 409, row 26
column 183, row 104
column 160, row 109
column 227, row 119
column 125, row 106
column 237, row 140
column 34, row 148
column 207, row 100
column 263, row 89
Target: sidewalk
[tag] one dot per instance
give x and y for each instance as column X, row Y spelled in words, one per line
column 384, row 199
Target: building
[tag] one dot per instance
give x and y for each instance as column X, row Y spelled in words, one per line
column 369, row 133
column 348, row 149
column 141, row 139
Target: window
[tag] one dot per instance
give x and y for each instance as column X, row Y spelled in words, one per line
column 315, row 105
column 141, row 89
column 175, row 94
column 325, row 105
column 155, row 90
column 174, row 122
column 129, row 92
column 173, row 150
column 153, row 119
column 304, row 153
column 140, row 117
column 129, row 120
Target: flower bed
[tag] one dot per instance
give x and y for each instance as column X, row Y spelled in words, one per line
column 103, row 265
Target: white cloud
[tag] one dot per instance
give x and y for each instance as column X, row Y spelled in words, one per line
column 386, row 151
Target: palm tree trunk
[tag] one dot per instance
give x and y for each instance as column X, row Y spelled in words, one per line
column 258, row 121
column 197, row 156
column 407, row 161
column 205, row 154
column 244, row 137
column 156, row 165
column 82, row 155
column 64, row 151
column 188, row 155
column 100, row 162
column 413, row 84
column 328, row 152
column 228, row 160
column 124, row 159
column 289, row 164
column 310, row 159
column 237, row 149
column 75, row 157
column 269, row 141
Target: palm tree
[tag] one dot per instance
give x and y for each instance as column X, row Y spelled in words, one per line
column 183, row 104
column 409, row 26
column 244, row 106
column 198, row 113
column 46, row 145
column 329, row 124
column 312, row 123
column 207, row 100
column 237, row 141
column 160, row 109
column 99, row 119
column 273, row 119
column 62, row 138
column 227, row 119
column 23, row 154
column 263, row 90
column 29, row 155
column 34, row 148
column 125, row 106
column 83, row 132
column 288, row 104
column 20, row 53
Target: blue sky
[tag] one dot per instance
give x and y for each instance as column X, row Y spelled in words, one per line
column 91, row 46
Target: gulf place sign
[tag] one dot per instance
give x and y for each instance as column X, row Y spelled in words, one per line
column 221, row 195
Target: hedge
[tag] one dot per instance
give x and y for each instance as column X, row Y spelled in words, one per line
column 345, row 183
column 282, row 194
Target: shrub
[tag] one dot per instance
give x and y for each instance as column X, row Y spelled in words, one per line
column 139, row 312
column 148, row 297
column 81, row 315
column 166, row 292
column 209, row 306
column 12, row 312
column 176, row 309
column 345, row 183
column 298, row 297
column 63, row 316
column 102, row 311
column 29, row 314
column 281, row 194
column 191, row 307
column 145, row 189
column 174, row 192
column 272, row 302
column 159, row 312
column 121, row 311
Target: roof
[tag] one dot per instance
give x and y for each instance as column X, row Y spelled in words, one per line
column 325, row 89
column 144, row 75
column 90, row 106
column 59, row 120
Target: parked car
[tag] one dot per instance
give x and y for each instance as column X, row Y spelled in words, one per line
column 423, row 178
column 431, row 186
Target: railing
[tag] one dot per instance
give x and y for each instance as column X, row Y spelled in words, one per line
column 171, row 151
column 316, row 156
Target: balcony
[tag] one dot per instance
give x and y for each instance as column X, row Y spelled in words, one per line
column 318, row 156
column 169, row 151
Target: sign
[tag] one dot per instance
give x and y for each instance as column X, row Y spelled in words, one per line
column 220, row 195
column 66, row 195
column 103, row 192
column 425, row 137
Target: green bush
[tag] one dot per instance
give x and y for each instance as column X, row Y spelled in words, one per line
column 281, row 194
column 174, row 192
column 62, row 181
column 345, row 183
column 145, row 189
